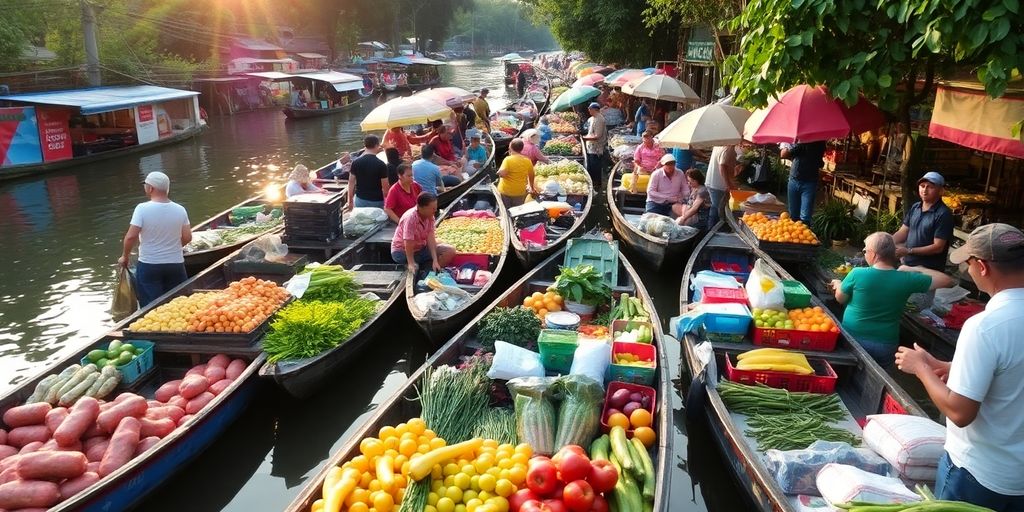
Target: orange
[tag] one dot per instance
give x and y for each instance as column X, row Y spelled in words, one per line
column 528, row 302
column 645, row 435
column 640, row 418
column 618, row 420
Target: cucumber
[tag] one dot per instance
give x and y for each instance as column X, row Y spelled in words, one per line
column 638, row 472
column 42, row 388
column 68, row 399
column 579, row 415
column 647, row 465
column 95, row 387
column 599, row 448
column 625, row 488
column 620, row 447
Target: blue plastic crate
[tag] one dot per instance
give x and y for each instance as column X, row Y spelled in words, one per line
column 137, row 367
column 732, row 258
column 728, row 318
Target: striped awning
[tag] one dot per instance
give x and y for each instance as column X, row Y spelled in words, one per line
column 968, row 117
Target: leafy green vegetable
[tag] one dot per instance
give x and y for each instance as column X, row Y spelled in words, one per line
column 330, row 283
column 583, row 284
column 518, row 326
column 306, row 328
column 498, row 423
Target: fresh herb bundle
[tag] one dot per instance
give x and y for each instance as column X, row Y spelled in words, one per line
column 306, row 328
column 330, row 283
column 454, row 400
column 518, row 326
column 498, row 423
column 582, row 284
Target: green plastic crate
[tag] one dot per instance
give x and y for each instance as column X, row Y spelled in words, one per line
column 600, row 253
column 556, row 349
column 797, row 295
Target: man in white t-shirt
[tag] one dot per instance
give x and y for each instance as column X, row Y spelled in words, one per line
column 720, row 178
column 161, row 228
column 981, row 392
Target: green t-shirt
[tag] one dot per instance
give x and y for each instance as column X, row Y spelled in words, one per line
column 877, row 299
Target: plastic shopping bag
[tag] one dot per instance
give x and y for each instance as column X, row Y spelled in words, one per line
column 124, row 302
column 764, row 288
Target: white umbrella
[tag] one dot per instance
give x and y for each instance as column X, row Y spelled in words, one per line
column 660, row 87
column 450, row 96
column 708, row 126
column 404, row 111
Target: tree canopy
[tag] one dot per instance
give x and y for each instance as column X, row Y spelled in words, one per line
column 503, row 23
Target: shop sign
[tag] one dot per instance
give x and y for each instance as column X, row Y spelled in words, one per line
column 145, row 124
column 54, row 134
column 19, row 137
column 701, row 46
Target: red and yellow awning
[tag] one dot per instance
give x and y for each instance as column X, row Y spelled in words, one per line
column 968, row 117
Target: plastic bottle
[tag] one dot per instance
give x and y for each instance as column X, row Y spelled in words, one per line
column 578, row 207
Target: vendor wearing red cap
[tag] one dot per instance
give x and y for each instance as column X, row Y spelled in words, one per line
column 666, row 188
column 981, row 391
column 927, row 229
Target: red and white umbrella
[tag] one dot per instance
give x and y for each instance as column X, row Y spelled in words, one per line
column 806, row 114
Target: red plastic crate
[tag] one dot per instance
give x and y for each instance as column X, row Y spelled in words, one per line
column 633, row 374
column 891, row 406
column 796, row 339
column 824, row 380
column 647, row 391
column 713, row 295
column 480, row 260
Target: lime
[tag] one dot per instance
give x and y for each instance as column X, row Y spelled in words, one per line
column 102, row 362
column 125, row 358
column 127, row 347
column 95, row 355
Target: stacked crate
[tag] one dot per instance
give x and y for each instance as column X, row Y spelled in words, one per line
column 313, row 219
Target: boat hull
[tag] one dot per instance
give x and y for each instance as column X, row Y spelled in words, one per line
column 304, row 113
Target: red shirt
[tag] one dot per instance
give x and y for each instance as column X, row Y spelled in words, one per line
column 400, row 202
column 443, row 148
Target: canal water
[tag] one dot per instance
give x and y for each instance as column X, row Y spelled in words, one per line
column 62, row 235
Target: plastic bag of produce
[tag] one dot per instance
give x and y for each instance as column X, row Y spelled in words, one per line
column 663, row 227
column 797, row 470
column 706, row 278
column 124, row 302
column 591, row 359
column 764, row 288
column 912, row 444
column 579, row 415
column 839, row 483
column 265, row 248
column 511, row 362
column 535, row 412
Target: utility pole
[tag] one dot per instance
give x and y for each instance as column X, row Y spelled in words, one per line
column 92, row 52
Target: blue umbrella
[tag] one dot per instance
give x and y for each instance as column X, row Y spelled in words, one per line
column 574, row 96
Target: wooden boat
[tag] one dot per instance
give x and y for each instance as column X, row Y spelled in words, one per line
column 782, row 251
column 519, row 123
column 862, row 385
column 303, row 113
column 196, row 261
column 324, row 175
column 440, row 325
column 530, row 254
column 402, row 404
column 626, row 209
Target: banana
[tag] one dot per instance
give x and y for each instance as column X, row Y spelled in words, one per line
column 759, row 351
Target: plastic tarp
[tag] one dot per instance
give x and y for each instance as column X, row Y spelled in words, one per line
column 102, row 99
column 270, row 75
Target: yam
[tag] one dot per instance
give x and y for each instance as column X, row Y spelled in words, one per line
column 3, row 436
column 54, row 446
column 159, row 428
column 218, row 387
column 185, row 419
column 235, row 369
column 214, row 373
column 122, row 445
column 192, row 386
column 219, row 361
column 93, row 467
column 7, row 451
column 77, row 485
column 167, row 411
column 55, row 417
column 178, row 401
column 48, row 465
column 196, row 404
column 82, row 416
column 28, row 493
column 197, row 369
column 26, row 415
column 94, row 453
column 19, row 437
column 134, row 407
column 94, row 430
column 34, row 446
column 146, row 444
column 9, row 474
column 167, row 391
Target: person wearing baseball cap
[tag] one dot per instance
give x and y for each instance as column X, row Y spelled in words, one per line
column 981, row 391
column 595, row 140
column 161, row 228
column 923, row 239
column 666, row 188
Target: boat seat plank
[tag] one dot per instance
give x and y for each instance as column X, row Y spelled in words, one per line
column 383, row 235
column 201, row 347
column 841, row 356
column 540, row 283
column 726, row 241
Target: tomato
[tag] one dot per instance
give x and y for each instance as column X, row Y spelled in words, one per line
column 533, row 506
column 538, row 458
column 578, row 496
column 600, row 504
column 555, row 505
column 573, row 466
column 570, row 448
column 516, row 501
column 542, row 478
column 603, row 476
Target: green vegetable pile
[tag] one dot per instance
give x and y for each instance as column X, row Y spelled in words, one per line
column 518, row 326
column 786, row 420
column 559, row 167
column 498, row 423
column 220, row 237
column 308, row 327
column 794, row 431
column 582, row 284
column 453, row 401
column 330, row 283
column 927, row 503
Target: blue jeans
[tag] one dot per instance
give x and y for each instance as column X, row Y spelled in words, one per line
column 953, row 483
column 883, row 353
column 421, row 257
column 717, row 201
column 450, row 181
column 363, row 203
column 801, row 200
column 155, row 279
column 660, row 209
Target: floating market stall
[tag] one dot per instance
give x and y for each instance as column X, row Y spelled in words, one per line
column 229, row 230
column 413, row 72
column 539, row 228
column 329, row 92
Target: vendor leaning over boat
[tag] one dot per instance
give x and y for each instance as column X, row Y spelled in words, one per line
column 300, row 182
column 981, row 391
column 927, row 228
column 414, row 243
column 516, row 176
column 403, row 195
column 666, row 188
column 875, row 296
column 697, row 211
column 368, row 179
column 161, row 228
column 646, row 159
column 531, row 147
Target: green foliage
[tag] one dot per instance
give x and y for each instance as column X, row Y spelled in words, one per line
column 517, row 325
column 873, row 46
column 835, row 221
column 503, row 23
column 19, row 27
column 583, row 284
column 713, row 13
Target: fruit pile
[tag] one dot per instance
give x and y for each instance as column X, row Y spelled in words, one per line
column 559, row 168
column 594, row 331
column 570, row 481
column 774, row 359
column 783, row 229
column 483, row 480
column 505, row 126
column 805, row 319
column 628, row 359
column 472, row 236
column 634, row 334
column 241, row 307
column 543, row 303
column 117, row 353
column 567, row 145
column 631, row 410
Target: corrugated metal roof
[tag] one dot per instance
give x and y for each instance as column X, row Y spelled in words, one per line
column 257, row 44
column 311, row 55
column 102, row 99
column 333, row 77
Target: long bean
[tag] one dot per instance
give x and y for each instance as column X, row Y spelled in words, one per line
column 453, row 400
column 794, row 431
column 761, row 399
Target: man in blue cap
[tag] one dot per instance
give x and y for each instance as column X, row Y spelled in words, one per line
column 927, row 228
column 596, row 140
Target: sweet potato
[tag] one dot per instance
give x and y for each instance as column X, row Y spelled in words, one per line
column 48, row 465
column 214, row 373
column 218, row 387
column 159, row 428
column 53, row 446
column 124, row 396
column 167, row 411
column 9, row 475
column 34, row 446
column 219, row 360
column 76, row 485
column 197, row 369
column 81, row 417
column 134, row 407
column 146, row 444
column 7, row 451
column 3, row 436
column 235, row 369
column 178, row 401
column 19, row 437
column 95, row 452
column 196, row 404
column 94, row 430
column 168, row 390
column 93, row 467
column 192, row 386
column 122, row 445
column 28, row 493
column 185, row 419
column 55, row 417
column 25, row 415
